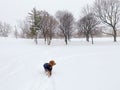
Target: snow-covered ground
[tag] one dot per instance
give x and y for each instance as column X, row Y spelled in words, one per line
column 80, row 65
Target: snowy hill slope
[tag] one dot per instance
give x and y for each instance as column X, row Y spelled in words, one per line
column 80, row 65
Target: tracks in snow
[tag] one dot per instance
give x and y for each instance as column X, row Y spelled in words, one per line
column 42, row 82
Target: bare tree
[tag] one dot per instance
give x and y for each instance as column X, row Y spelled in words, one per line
column 51, row 28
column 47, row 25
column 66, row 21
column 108, row 11
column 43, row 23
column 88, row 23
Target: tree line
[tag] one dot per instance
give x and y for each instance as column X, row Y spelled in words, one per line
column 103, row 17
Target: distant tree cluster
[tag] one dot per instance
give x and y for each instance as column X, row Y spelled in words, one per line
column 4, row 29
column 101, row 18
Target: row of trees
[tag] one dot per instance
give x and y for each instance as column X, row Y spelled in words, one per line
column 40, row 24
column 102, row 17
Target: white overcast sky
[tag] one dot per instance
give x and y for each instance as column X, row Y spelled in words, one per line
column 11, row 11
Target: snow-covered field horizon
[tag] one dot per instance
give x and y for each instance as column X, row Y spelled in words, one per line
column 80, row 65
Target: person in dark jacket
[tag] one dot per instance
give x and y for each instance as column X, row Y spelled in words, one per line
column 48, row 67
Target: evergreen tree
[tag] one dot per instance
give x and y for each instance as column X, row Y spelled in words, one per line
column 35, row 23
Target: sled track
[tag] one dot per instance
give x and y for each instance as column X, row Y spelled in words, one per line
column 47, row 83
column 42, row 82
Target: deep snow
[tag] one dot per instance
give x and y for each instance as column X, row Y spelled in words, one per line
column 80, row 65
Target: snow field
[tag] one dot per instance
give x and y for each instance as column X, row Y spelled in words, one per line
column 80, row 65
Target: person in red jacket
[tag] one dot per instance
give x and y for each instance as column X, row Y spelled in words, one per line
column 48, row 67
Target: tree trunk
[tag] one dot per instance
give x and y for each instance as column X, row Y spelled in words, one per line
column 45, row 38
column 36, row 39
column 48, row 41
column 66, row 40
column 115, row 35
column 87, row 37
column 92, row 39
